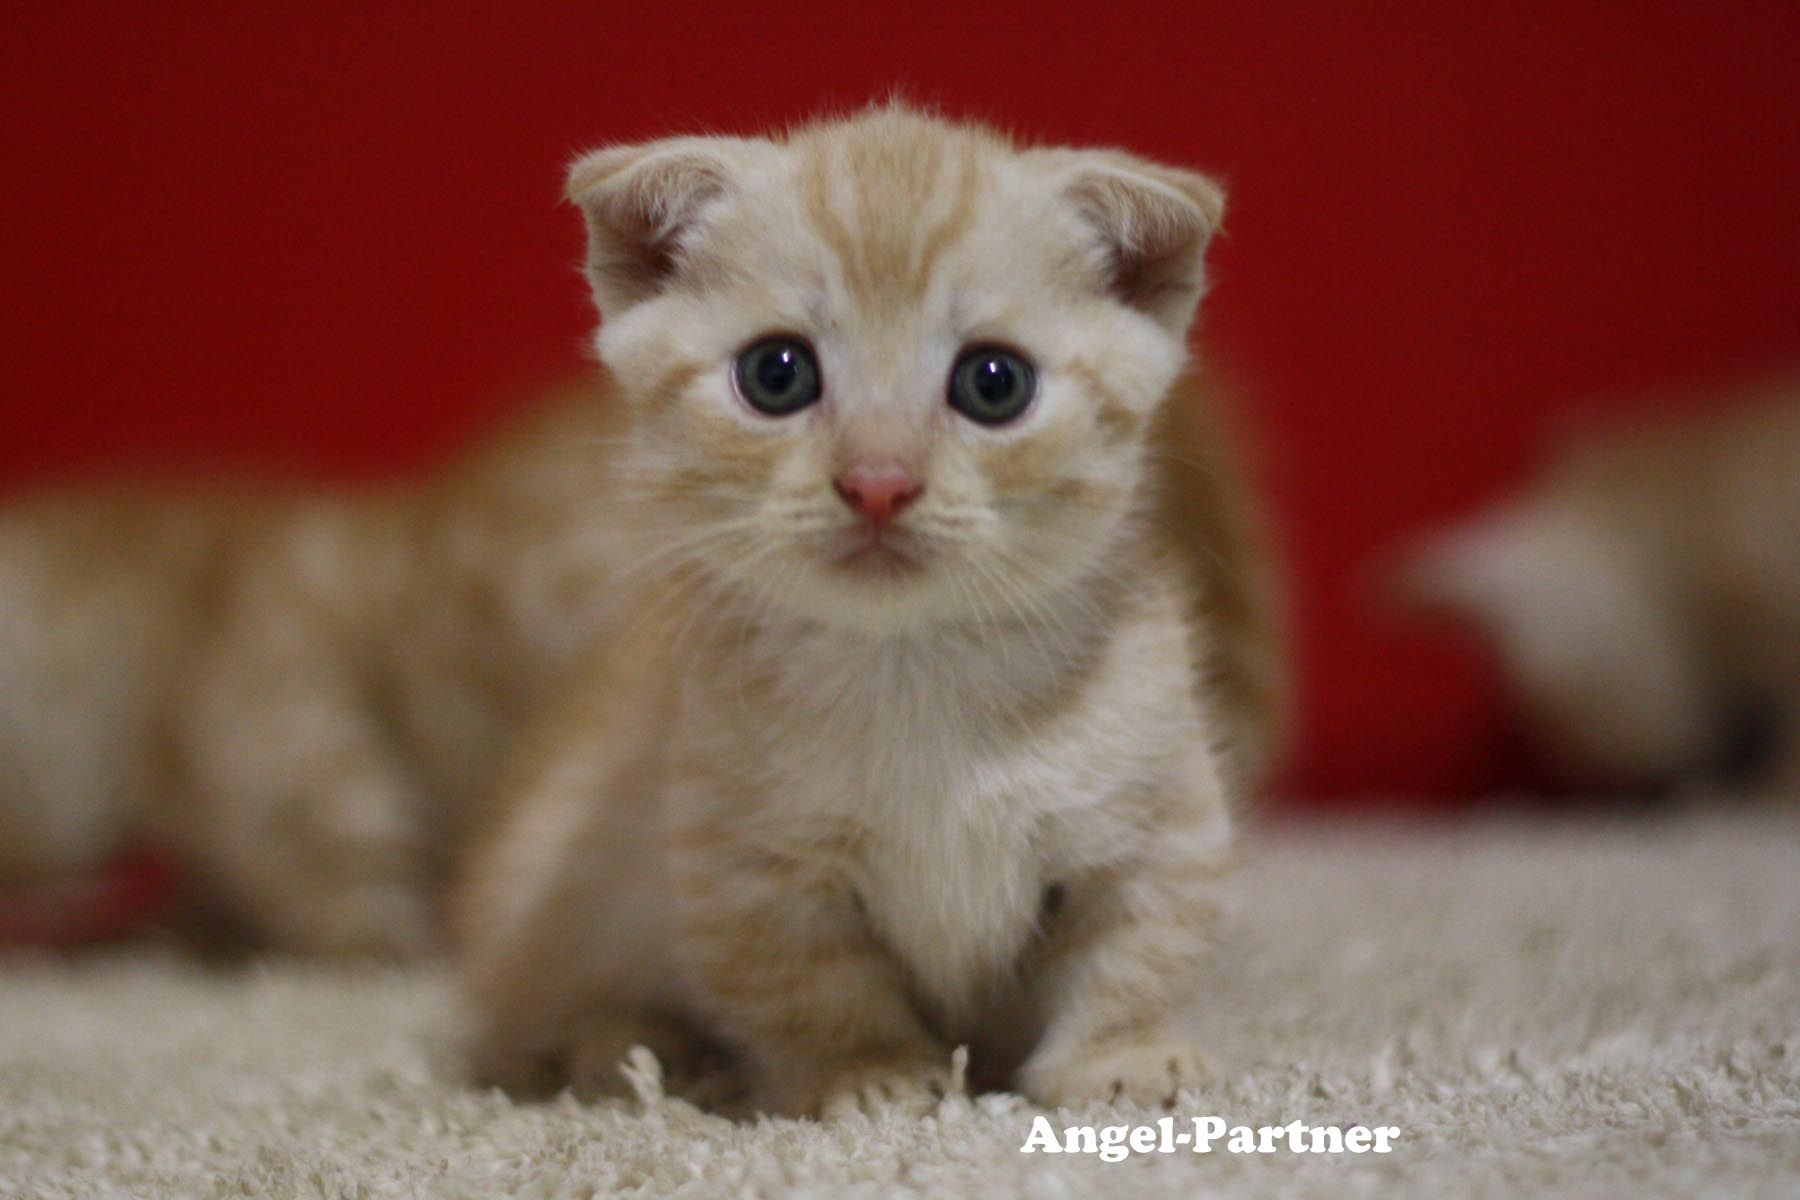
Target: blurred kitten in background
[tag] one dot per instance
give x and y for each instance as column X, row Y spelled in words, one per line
column 303, row 697
column 307, row 697
column 915, row 741
column 1643, row 598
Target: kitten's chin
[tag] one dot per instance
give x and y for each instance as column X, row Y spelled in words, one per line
column 878, row 588
column 895, row 584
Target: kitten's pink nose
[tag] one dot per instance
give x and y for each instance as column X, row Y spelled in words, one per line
column 878, row 490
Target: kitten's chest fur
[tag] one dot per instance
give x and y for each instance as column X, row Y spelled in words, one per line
column 950, row 872
column 967, row 778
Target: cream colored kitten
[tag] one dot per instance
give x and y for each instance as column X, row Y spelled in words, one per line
column 1645, row 595
column 905, row 747
column 303, row 696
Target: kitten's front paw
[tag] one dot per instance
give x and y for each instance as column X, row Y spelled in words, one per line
column 908, row 1089
column 1151, row 1073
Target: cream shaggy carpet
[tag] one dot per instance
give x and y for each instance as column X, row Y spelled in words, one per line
column 1599, row 1008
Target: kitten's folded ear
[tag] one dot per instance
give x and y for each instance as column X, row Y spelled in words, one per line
column 643, row 205
column 1153, row 222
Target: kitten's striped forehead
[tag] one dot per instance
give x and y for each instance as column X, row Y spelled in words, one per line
column 890, row 195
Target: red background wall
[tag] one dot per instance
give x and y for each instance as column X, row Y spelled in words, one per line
column 329, row 240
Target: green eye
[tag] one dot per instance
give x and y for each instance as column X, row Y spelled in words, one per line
column 778, row 376
column 991, row 386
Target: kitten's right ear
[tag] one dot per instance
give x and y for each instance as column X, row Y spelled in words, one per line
column 644, row 204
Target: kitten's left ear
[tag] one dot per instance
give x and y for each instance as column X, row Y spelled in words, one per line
column 644, row 204
column 1153, row 224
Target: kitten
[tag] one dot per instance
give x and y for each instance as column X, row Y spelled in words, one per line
column 905, row 746
column 1644, row 596
column 303, row 696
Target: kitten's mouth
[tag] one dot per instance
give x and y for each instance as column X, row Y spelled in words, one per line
column 875, row 553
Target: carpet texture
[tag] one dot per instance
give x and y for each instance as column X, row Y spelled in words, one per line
column 1600, row 1007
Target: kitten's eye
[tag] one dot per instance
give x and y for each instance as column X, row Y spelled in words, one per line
column 778, row 376
column 991, row 386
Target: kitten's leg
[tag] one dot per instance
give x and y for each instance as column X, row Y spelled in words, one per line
column 1128, row 953
column 297, row 808
column 562, row 943
column 585, row 1050
column 792, row 973
column 564, row 938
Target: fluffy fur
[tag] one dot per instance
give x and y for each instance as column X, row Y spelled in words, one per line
column 833, row 812
column 1644, row 597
